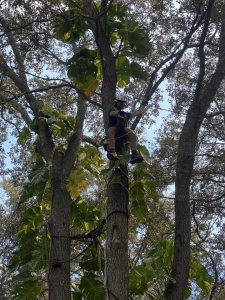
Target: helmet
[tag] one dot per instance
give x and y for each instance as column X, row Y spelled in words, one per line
column 116, row 101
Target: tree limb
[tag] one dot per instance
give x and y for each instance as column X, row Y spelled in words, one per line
column 75, row 139
column 177, row 55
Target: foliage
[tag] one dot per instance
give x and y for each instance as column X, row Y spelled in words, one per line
column 32, row 234
column 141, row 188
column 83, row 71
column 156, row 268
column 84, row 216
column 91, row 287
column 143, row 36
column 37, row 180
column 28, row 286
column 84, row 68
column 124, row 28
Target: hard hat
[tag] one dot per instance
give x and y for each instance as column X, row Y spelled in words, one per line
column 120, row 101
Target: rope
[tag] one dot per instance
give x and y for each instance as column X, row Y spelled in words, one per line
column 117, row 211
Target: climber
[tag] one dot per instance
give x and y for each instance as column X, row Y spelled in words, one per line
column 114, row 115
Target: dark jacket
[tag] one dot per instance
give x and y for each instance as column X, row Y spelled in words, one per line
column 113, row 120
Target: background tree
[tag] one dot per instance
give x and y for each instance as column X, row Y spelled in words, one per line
column 105, row 45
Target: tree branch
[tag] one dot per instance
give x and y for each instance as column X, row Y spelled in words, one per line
column 75, row 139
column 177, row 55
column 91, row 141
column 18, row 108
column 201, row 52
column 18, row 56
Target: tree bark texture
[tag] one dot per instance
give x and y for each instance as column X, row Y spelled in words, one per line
column 117, row 236
column 59, row 225
column 108, row 59
column 59, row 256
column 117, row 205
column 185, row 161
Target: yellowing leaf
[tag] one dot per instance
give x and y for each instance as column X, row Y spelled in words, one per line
column 87, row 226
column 77, row 182
column 82, row 155
column 66, row 36
column 47, row 206
column 90, row 86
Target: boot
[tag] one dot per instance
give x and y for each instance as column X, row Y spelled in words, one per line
column 112, row 155
column 136, row 157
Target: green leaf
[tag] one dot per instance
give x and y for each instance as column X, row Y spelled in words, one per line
column 28, row 289
column 119, row 11
column 83, row 71
column 162, row 255
column 140, row 210
column 31, row 223
column 151, row 190
column 138, row 206
column 199, row 273
column 91, row 260
column 123, row 159
column 188, row 290
column 77, row 182
column 137, row 191
column 38, row 178
column 92, row 287
column 138, row 40
column 77, row 295
column 145, row 153
column 139, row 278
column 60, row 124
column 84, row 215
column 106, row 173
column 123, row 70
column 138, row 72
column 70, row 26
column 24, row 135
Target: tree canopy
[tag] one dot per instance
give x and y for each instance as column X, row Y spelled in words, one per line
column 74, row 226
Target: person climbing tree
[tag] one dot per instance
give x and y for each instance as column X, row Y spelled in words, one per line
column 116, row 117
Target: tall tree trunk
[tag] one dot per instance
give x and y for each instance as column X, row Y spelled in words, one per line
column 117, row 205
column 117, row 236
column 59, row 256
column 59, row 225
column 204, row 96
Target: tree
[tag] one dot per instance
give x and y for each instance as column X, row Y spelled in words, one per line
column 204, row 95
column 107, row 46
column 59, row 162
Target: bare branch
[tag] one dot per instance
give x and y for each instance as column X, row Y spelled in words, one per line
column 21, row 83
column 10, row 30
column 105, row 8
column 8, row 121
column 47, row 88
column 91, row 141
column 52, row 54
column 177, row 55
column 18, row 108
column 201, row 52
column 75, row 139
column 18, row 56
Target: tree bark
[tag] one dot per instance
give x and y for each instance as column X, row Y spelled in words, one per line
column 117, row 205
column 117, row 236
column 59, row 256
column 188, row 140
column 59, row 225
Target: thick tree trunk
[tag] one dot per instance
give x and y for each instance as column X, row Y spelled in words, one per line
column 117, row 236
column 185, row 161
column 117, row 206
column 59, row 225
column 59, row 256
column 180, row 269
